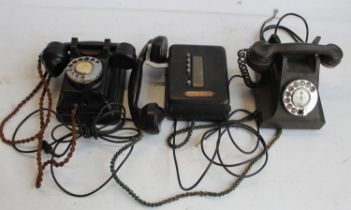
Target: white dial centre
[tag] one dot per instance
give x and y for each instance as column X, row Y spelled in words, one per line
column 84, row 70
column 84, row 67
column 301, row 97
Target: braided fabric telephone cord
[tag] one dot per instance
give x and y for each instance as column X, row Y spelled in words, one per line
column 176, row 197
column 42, row 166
column 44, row 83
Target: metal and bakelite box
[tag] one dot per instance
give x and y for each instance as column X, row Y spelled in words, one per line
column 197, row 83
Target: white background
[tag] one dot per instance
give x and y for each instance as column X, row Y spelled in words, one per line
column 307, row 169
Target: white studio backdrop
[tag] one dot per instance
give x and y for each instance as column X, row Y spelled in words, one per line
column 307, row 169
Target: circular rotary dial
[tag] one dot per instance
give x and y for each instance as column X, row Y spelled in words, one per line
column 300, row 97
column 84, row 70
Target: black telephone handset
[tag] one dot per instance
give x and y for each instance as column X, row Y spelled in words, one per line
column 150, row 116
column 94, row 76
column 286, row 94
column 260, row 56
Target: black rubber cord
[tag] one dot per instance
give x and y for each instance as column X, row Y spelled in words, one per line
column 105, row 132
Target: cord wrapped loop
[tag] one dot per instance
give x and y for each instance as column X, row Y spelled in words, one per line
column 88, row 130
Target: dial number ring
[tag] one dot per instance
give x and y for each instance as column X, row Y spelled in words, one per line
column 300, row 97
column 84, row 70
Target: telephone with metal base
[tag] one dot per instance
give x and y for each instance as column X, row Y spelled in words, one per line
column 286, row 94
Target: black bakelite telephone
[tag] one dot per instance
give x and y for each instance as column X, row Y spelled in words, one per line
column 94, row 77
column 286, row 94
column 90, row 100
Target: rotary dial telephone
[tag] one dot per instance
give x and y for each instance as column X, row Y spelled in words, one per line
column 286, row 94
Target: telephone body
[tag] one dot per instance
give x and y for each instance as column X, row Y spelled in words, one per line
column 196, row 84
column 286, row 93
column 95, row 74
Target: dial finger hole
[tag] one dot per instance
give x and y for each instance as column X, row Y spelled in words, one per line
column 300, row 111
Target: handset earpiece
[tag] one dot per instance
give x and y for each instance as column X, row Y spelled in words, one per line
column 55, row 58
column 333, row 57
column 261, row 55
column 159, row 49
column 257, row 57
column 124, row 57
